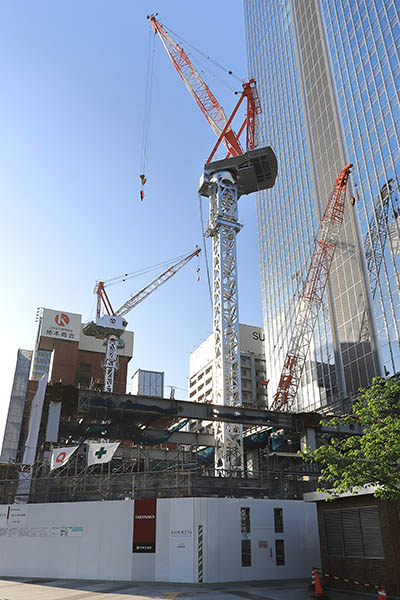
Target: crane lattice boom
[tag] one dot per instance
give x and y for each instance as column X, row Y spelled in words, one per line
column 151, row 287
column 312, row 294
column 205, row 99
column 102, row 297
column 200, row 91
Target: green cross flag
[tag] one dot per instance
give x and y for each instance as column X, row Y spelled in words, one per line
column 100, row 453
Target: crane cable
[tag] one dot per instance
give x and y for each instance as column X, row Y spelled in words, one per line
column 147, row 111
column 217, row 64
column 205, row 251
column 159, row 266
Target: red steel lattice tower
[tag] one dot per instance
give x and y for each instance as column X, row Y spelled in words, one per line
column 312, row 294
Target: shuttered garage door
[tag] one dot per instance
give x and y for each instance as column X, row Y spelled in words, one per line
column 333, row 531
column 353, row 532
column 371, row 532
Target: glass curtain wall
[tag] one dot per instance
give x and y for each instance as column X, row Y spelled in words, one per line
column 328, row 75
column 364, row 45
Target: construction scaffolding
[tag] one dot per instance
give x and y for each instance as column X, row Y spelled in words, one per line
column 286, row 478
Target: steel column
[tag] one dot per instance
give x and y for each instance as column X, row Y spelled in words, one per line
column 110, row 363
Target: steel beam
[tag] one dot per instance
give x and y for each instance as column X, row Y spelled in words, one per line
column 90, row 401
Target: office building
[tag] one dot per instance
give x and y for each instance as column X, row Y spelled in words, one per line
column 252, row 369
column 328, row 74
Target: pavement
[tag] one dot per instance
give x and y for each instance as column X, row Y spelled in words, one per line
column 63, row 589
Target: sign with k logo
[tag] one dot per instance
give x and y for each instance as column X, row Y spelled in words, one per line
column 100, row 453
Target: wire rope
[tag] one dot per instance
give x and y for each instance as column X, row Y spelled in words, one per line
column 126, row 276
column 147, row 103
column 205, row 252
column 217, row 64
column 203, row 69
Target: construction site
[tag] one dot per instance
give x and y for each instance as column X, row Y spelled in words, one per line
column 76, row 436
column 85, row 396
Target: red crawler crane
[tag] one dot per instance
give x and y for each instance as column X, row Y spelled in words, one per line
column 206, row 100
column 312, row 294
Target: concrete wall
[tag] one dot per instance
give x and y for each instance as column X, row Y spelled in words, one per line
column 93, row 540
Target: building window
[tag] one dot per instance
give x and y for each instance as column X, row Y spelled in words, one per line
column 280, row 552
column 353, row 532
column 246, row 553
column 278, row 520
column 245, row 520
column 84, row 375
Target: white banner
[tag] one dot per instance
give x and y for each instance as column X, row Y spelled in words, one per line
column 60, row 456
column 100, row 453
column 34, row 422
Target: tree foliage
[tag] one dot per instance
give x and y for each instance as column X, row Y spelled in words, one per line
column 372, row 458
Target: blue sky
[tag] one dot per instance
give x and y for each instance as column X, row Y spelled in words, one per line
column 72, row 102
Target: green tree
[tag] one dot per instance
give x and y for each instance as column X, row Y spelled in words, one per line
column 372, row 458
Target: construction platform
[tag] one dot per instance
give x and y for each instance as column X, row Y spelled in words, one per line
column 156, row 457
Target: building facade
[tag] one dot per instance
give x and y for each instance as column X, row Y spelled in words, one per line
column 252, row 369
column 328, row 74
column 16, row 407
column 66, row 355
column 359, row 540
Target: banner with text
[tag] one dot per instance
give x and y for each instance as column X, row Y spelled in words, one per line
column 144, row 525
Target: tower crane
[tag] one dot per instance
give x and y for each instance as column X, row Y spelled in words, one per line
column 223, row 182
column 312, row 294
column 111, row 325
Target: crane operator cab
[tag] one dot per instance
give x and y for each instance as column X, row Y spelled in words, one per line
column 105, row 326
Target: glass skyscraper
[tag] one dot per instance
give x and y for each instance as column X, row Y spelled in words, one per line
column 328, row 74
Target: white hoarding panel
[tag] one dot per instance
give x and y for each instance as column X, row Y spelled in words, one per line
column 94, row 540
column 61, row 325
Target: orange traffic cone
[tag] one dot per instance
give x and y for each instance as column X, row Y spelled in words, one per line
column 319, row 590
column 311, row 587
column 382, row 593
